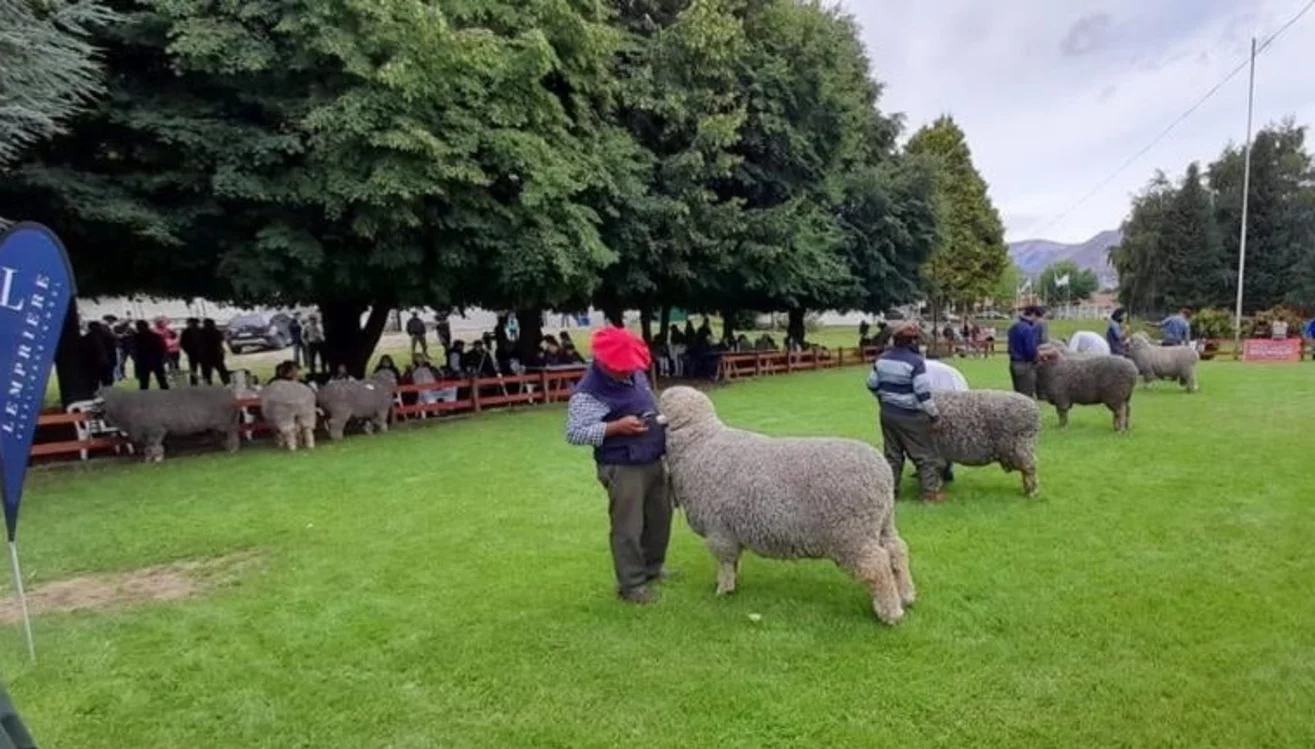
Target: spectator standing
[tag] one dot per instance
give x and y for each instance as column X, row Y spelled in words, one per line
column 313, row 336
column 443, row 328
column 212, row 353
column 298, row 341
column 190, row 343
column 148, row 357
column 415, row 327
column 1023, row 345
column 99, row 353
column 172, row 354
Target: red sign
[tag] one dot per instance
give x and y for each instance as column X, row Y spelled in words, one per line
column 1269, row 350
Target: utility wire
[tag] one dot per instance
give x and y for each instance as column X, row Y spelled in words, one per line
column 1172, row 125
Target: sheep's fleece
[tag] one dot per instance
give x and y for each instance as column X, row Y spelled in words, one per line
column 1068, row 380
column 1164, row 362
column 289, row 409
column 786, row 498
column 980, row 427
column 369, row 400
column 148, row 416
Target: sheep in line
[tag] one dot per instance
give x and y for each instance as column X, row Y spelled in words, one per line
column 1066, row 380
column 981, row 427
column 786, row 498
column 149, row 416
column 1163, row 362
column 369, row 400
column 288, row 407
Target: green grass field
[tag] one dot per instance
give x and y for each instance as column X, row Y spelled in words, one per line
column 450, row 586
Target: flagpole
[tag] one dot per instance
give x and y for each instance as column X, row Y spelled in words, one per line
column 1246, row 195
column 22, row 600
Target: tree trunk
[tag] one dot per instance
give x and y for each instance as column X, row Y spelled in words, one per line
column 794, row 328
column 345, row 341
column 76, row 381
column 527, row 346
column 614, row 314
column 664, row 324
column 646, row 324
column 728, row 325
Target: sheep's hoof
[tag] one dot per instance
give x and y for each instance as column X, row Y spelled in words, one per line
column 891, row 616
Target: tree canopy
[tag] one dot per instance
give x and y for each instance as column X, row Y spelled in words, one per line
column 1182, row 240
column 717, row 155
column 971, row 254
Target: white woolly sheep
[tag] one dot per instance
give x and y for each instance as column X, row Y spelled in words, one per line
column 149, row 416
column 1066, row 380
column 1163, row 362
column 786, row 498
column 368, row 400
column 289, row 409
column 1087, row 342
column 981, row 427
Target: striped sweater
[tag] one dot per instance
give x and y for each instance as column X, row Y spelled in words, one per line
column 899, row 381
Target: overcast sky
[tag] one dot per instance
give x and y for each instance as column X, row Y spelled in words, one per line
column 1054, row 96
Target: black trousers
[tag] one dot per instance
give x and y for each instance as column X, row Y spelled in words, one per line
column 144, row 372
column 910, row 434
column 208, row 370
column 1023, row 375
column 640, row 508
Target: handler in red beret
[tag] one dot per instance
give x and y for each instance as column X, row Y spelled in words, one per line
column 614, row 411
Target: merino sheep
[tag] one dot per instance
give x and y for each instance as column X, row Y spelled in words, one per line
column 1163, row 362
column 369, row 400
column 786, row 498
column 148, row 416
column 981, row 427
column 289, row 408
column 1066, row 380
column 1087, row 342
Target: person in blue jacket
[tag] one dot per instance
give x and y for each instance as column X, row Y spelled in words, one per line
column 1023, row 345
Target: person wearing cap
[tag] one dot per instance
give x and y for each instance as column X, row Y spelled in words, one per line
column 908, row 412
column 1023, row 346
column 613, row 410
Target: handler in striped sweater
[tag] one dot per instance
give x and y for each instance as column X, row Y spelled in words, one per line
column 908, row 412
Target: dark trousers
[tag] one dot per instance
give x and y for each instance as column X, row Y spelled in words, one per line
column 144, row 372
column 315, row 356
column 418, row 342
column 910, row 434
column 208, row 370
column 1023, row 375
column 641, row 520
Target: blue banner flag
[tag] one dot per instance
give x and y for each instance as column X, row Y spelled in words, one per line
column 36, row 286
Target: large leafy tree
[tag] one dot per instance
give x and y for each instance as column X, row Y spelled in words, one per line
column 50, row 68
column 971, row 253
column 1142, row 275
column 352, row 154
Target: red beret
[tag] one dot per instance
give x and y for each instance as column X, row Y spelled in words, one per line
column 620, row 351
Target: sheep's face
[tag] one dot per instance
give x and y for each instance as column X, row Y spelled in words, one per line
column 1049, row 354
column 686, row 408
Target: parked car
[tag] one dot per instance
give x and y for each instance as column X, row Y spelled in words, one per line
column 261, row 331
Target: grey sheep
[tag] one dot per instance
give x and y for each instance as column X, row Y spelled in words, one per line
column 981, row 427
column 289, row 409
column 148, row 416
column 1066, row 380
column 1164, row 362
column 786, row 498
column 369, row 400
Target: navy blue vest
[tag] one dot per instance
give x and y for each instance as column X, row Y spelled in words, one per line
column 626, row 399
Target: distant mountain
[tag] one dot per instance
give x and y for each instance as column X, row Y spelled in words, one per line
column 1033, row 255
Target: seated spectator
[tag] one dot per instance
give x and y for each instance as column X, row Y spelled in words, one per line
column 340, row 373
column 455, row 355
column 386, row 363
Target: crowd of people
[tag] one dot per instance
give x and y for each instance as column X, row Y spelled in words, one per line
column 110, row 345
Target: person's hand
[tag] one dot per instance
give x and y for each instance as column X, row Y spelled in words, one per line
column 629, row 426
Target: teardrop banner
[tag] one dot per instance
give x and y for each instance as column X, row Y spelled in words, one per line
column 36, row 288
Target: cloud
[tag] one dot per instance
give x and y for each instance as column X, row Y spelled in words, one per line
column 1086, row 35
column 1053, row 99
